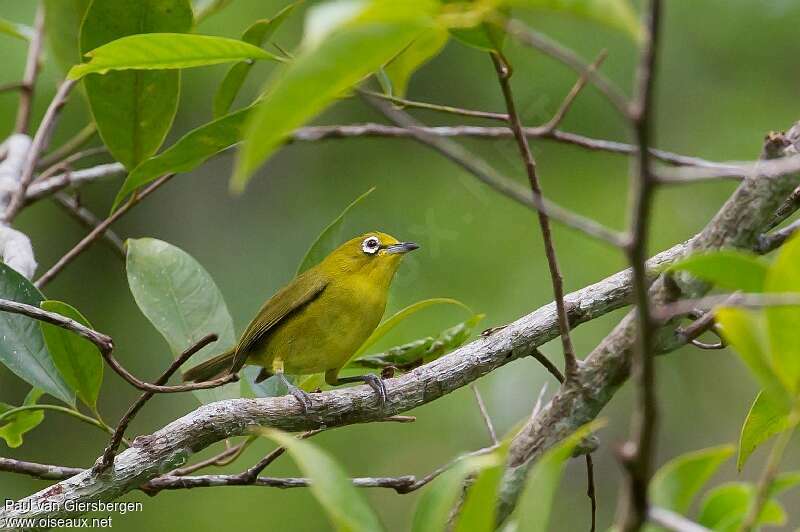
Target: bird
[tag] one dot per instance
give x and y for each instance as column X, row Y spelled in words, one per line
column 316, row 322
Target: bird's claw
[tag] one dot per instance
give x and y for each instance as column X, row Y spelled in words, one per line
column 302, row 397
column 376, row 383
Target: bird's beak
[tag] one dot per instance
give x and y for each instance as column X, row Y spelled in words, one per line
column 402, row 247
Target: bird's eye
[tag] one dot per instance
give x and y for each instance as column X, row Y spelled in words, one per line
column 371, row 245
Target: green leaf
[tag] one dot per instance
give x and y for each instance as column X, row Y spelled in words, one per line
column 189, row 152
column 205, row 8
column 62, row 26
column 677, row 482
column 78, row 359
column 162, row 51
column 401, row 315
column 329, row 238
column 439, row 497
column 618, row 14
column 784, row 482
column 723, row 509
column 21, row 422
column 330, row 484
column 182, row 302
column 533, row 510
column 423, row 49
column 257, row 34
column 133, row 109
column 332, row 59
column 22, row 349
column 19, row 31
column 466, row 20
column 767, row 417
column 729, row 269
column 270, row 387
column 478, row 512
column 745, row 331
column 422, row 350
column 782, row 321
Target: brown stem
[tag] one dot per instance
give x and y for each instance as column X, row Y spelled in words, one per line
column 108, row 454
column 638, row 453
column 504, row 75
column 86, row 217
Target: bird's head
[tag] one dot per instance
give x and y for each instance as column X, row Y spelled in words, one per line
column 372, row 254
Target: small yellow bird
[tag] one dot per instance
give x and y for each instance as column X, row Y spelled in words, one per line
column 316, row 322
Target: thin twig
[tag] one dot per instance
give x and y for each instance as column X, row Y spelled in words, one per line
column 221, row 459
column 436, row 107
column 107, row 458
column 40, row 471
column 637, row 454
column 66, row 163
column 549, row 366
column 45, row 187
column 69, row 147
column 11, row 86
column 317, row 133
column 558, row 51
column 771, row 241
column 485, row 173
column 40, row 141
column 673, row 522
column 86, row 217
column 98, row 231
column 32, row 64
column 487, row 420
column 563, row 109
column 106, row 346
column 590, row 491
column 504, row 75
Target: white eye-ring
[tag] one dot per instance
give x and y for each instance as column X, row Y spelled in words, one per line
column 371, row 245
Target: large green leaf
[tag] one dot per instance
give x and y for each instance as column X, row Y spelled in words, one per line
column 729, row 269
column 182, row 302
column 330, row 237
column 723, row 509
column 746, row 332
column 477, row 514
column 78, row 359
column 423, row 49
column 133, row 109
column 782, row 321
column 439, row 497
column 20, row 31
column 257, row 34
column 161, row 51
column 189, row 152
column 18, row 424
column 62, row 26
column 330, row 485
column 22, row 348
column 533, row 510
column 617, row 14
column 344, row 42
column 767, row 417
column 677, row 482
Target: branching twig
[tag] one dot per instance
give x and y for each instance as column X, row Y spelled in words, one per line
column 561, row 113
column 40, row 141
column 98, row 231
column 40, row 471
column 51, row 185
column 487, row 420
column 108, row 454
column 69, row 147
column 504, row 75
column 436, row 107
column 89, row 220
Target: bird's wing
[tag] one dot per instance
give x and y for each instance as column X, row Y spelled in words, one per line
column 296, row 295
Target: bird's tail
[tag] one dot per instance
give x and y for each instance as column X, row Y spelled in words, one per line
column 211, row 368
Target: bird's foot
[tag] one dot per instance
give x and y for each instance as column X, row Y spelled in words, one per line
column 302, row 397
column 376, row 383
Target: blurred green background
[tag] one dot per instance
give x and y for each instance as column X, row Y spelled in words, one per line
column 726, row 77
